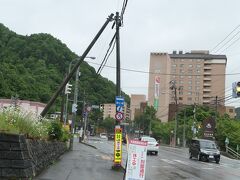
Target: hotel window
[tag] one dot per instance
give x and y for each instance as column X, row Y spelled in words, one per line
column 173, row 70
column 182, row 60
column 198, row 65
column 189, row 82
column 189, row 77
column 174, row 65
column 189, row 93
column 189, row 87
column 196, row 98
column 189, row 99
column 181, row 77
column 180, row 93
column 197, row 88
column 198, row 77
column 198, row 70
column 190, row 71
column 180, row 98
column 190, row 65
column 180, row 82
column 198, row 60
column 181, row 71
column 181, row 65
column 197, row 82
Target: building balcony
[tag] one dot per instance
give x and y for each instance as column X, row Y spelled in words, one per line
column 207, row 68
column 206, row 90
column 207, row 73
column 206, row 84
column 206, row 96
column 207, row 62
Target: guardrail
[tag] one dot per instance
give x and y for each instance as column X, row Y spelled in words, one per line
column 232, row 152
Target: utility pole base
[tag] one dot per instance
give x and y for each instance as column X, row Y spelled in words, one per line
column 118, row 167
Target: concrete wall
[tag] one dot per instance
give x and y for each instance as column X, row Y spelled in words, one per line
column 22, row 158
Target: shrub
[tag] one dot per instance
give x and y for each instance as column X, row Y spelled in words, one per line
column 15, row 121
column 55, row 130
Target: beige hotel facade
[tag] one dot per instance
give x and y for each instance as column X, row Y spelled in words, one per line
column 199, row 77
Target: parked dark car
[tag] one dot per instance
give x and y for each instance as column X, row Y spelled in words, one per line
column 111, row 136
column 204, row 150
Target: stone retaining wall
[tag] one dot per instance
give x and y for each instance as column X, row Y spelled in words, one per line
column 22, row 158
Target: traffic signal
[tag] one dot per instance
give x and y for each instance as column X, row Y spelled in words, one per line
column 74, row 108
column 236, row 89
column 68, row 88
column 101, row 107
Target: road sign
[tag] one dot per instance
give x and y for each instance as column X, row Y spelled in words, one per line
column 74, row 107
column 95, row 106
column 119, row 108
column 118, row 145
column 119, row 116
column 119, row 101
column 137, row 157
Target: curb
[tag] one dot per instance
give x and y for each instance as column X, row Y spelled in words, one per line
column 89, row 145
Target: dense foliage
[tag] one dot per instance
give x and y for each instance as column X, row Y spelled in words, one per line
column 32, row 67
column 225, row 126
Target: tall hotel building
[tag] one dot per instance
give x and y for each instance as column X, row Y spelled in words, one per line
column 199, row 76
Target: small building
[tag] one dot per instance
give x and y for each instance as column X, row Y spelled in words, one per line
column 25, row 105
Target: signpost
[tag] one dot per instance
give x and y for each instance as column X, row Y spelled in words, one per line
column 136, row 165
column 119, row 116
column 118, row 145
column 208, row 128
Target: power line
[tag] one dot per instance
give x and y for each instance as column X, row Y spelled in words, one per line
column 225, row 37
column 124, row 6
column 167, row 74
column 227, row 42
column 108, row 53
column 231, row 44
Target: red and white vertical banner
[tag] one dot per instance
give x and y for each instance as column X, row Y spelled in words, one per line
column 137, row 157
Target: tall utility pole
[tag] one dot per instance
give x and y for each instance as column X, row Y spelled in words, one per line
column 118, row 80
column 118, row 151
column 174, row 87
column 184, row 129
column 194, row 120
column 65, row 81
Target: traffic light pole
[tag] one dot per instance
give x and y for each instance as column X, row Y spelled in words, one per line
column 74, row 112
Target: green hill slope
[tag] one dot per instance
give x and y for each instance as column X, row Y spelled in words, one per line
column 33, row 67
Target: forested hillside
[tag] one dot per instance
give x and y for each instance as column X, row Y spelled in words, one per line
column 32, row 67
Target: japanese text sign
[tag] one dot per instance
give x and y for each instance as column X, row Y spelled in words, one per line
column 136, row 165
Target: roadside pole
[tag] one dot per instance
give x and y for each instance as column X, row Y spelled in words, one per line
column 184, row 129
column 119, row 107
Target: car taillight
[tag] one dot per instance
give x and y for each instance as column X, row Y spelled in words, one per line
column 157, row 144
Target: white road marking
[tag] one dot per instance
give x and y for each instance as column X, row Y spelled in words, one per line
column 209, row 168
column 182, row 162
column 167, row 161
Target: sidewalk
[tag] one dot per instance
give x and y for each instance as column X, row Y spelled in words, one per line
column 83, row 162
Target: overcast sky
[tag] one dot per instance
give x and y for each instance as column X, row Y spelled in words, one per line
column 149, row 26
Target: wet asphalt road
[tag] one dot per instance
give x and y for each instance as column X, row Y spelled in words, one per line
column 174, row 163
